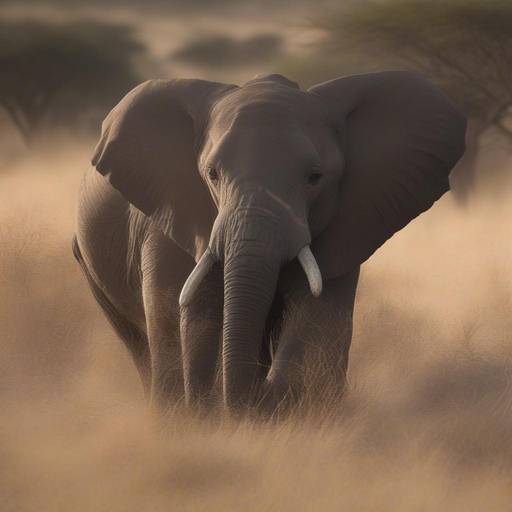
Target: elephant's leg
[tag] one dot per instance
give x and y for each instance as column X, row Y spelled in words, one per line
column 164, row 268
column 270, row 336
column 201, row 328
column 162, row 322
column 134, row 339
column 312, row 355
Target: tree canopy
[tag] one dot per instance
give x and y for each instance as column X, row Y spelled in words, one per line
column 465, row 46
column 59, row 70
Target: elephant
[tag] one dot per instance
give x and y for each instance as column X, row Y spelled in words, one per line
column 221, row 228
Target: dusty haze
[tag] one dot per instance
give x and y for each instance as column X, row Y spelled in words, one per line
column 426, row 423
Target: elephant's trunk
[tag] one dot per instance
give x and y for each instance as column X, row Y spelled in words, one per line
column 249, row 286
column 253, row 243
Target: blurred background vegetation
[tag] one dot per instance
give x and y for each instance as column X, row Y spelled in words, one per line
column 54, row 74
column 65, row 64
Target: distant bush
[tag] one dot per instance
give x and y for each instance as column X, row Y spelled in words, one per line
column 221, row 51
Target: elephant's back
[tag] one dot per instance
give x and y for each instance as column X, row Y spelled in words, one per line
column 105, row 225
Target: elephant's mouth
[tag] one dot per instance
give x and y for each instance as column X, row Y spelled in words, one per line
column 305, row 257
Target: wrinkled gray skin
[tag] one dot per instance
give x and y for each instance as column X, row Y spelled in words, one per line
column 255, row 173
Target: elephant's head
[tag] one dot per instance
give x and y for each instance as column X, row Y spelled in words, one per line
column 258, row 175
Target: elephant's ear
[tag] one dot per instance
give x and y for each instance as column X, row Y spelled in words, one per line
column 148, row 152
column 401, row 137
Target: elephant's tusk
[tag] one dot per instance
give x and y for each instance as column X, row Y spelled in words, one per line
column 310, row 266
column 196, row 276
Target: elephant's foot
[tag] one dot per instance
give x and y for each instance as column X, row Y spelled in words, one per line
column 276, row 398
column 299, row 394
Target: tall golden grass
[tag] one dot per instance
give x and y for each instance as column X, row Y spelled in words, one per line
column 426, row 423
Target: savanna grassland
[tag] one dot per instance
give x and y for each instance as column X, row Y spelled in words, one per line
column 426, row 424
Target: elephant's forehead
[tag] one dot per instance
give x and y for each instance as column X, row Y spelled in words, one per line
column 267, row 103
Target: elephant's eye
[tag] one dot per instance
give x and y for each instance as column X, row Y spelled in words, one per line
column 314, row 178
column 213, row 174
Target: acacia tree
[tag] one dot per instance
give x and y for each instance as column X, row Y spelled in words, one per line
column 76, row 66
column 465, row 46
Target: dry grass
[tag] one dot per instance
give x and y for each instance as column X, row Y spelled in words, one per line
column 426, row 424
